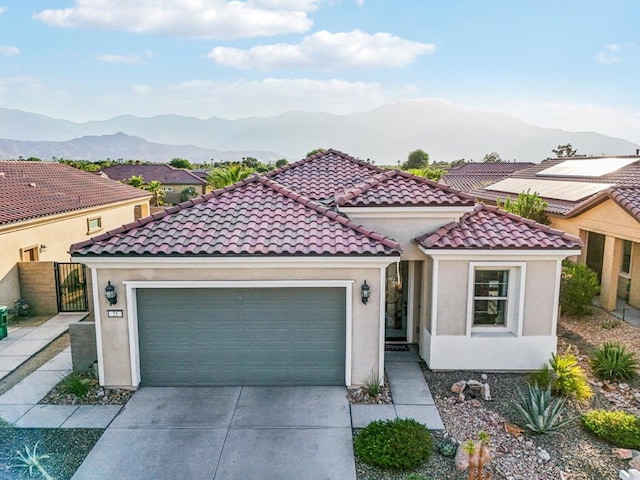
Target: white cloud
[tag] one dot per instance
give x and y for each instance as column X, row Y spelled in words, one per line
column 613, row 47
column 129, row 58
column 326, row 51
column 9, row 51
column 613, row 53
column 607, row 58
column 213, row 19
column 2, row 10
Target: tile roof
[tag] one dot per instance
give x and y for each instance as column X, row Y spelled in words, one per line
column 486, row 168
column 491, row 228
column 467, row 183
column 39, row 189
column 324, row 175
column 626, row 197
column 165, row 174
column 398, row 188
column 254, row 217
column 554, row 206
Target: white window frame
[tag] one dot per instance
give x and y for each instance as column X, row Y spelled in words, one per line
column 515, row 299
column 168, row 189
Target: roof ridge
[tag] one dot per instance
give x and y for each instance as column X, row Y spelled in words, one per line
column 305, row 160
column 365, row 185
column 434, row 184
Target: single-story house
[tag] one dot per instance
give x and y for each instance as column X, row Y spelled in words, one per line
column 471, row 175
column 46, row 206
column 598, row 200
column 174, row 180
column 300, row 276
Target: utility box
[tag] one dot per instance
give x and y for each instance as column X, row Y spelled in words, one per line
column 4, row 319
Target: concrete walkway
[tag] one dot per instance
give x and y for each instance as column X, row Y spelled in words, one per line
column 410, row 392
column 24, row 342
column 623, row 311
column 19, row 405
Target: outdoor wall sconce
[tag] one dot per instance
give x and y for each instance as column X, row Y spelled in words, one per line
column 365, row 292
column 111, row 294
column 43, row 247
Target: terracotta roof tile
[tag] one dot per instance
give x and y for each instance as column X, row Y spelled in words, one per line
column 494, row 229
column 324, row 175
column 397, row 188
column 626, row 197
column 466, row 183
column 39, row 189
column 165, row 174
column 254, row 217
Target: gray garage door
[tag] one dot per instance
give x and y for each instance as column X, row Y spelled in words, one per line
column 242, row 336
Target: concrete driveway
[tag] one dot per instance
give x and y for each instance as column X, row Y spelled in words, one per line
column 227, row 433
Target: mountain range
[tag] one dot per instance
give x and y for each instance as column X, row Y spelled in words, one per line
column 385, row 135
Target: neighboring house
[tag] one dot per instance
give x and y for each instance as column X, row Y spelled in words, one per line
column 300, row 276
column 597, row 199
column 174, row 180
column 472, row 175
column 45, row 206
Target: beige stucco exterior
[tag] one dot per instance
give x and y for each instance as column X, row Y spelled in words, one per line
column 173, row 192
column 51, row 238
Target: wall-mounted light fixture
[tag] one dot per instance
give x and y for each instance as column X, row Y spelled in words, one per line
column 43, row 248
column 365, row 292
column 111, row 294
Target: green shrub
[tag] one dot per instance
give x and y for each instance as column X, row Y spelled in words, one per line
column 398, row 444
column 415, row 476
column 619, row 428
column 542, row 377
column 569, row 379
column 578, row 286
column 613, row 362
column 540, row 413
column 75, row 384
column 5, row 424
column 372, row 384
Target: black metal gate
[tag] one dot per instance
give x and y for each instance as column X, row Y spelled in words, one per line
column 71, row 284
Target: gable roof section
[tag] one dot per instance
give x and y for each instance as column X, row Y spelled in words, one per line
column 476, row 175
column 31, row 190
column 324, row 175
column 254, row 217
column 165, row 174
column 628, row 198
column 489, row 228
column 393, row 188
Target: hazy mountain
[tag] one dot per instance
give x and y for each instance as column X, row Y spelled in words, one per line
column 122, row 146
column 386, row 134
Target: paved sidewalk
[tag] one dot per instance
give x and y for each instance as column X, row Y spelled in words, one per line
column 19, row 405
column 410, row 392
column 24, row 342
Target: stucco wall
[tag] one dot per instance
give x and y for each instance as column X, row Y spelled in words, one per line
column 607, row 218
column 366, row 318
column 174, row 196
column 539, row 298
column 57, row 233
column 452, row 298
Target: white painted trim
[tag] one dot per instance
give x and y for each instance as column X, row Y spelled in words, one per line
column 410, row 299
column 434, row 296
column 332, row 261
column 381, row 333
column 556, row 299
column 98, row 322
column 474, row 253
column 406, row 212
column 132, row 311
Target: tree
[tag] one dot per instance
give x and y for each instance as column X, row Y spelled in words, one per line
column 565, row 151
column 157, row 190
column 224, row 176
column 416, row 159
column 431, row 173
column 281, row 162
column 458, row 163
column 527, row 205
column 493, row 157
column 314, row 151
column 136, row 181
column 187, row 194
column 181, row 163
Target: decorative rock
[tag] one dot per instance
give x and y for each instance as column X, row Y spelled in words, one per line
column 635, row 463
column 632, row 474
column 622, row 453
column 512, row 429
column 635, row 453
column 484, row 377
column 475, row 403
column 474, row 384
column 458, row 387
column 623, row 386
column 485, row 391
column 544, row 455
column 461, row 397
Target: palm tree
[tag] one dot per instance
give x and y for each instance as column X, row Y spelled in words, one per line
column 156, row 188
column 222, row 177
column 136, row 181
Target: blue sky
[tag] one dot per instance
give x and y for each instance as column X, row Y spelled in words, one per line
column 572, row 64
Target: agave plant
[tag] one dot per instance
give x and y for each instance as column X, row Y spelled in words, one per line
column 612, row 361
column 30, row 459
column 541, row 413
column 447, row 448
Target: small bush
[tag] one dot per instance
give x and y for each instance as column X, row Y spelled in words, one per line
column 578, row 286
column 398, row 444
column 415, row 476
column 372, row 384
column 540, row 413
column 74, row 384
column 542, row 377
column 5, row 424
column 569, row 379
column 447, row 448
column 613, row 362
column 610, row 323
column 619, row 428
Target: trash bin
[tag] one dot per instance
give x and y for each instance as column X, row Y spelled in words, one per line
column 4, row 316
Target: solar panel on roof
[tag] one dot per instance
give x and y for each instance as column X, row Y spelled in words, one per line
column 556, row 189
column 587, row 167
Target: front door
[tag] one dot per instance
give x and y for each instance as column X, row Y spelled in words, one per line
column 396, row 298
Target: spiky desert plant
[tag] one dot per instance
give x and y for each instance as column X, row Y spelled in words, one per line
column 540, row 413
column 30, row 459
column 612, row 361
column 569, row 378
column 447, row 448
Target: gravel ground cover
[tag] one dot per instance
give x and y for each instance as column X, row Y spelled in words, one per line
column 361, row 395
column 95, row 396
column 67, row 448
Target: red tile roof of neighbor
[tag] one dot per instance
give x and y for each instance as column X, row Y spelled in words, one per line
column 324, row 175
column 397, row 188
column 626, row 197
column 165, row 174
column 491, row 228
column 254, row 217
column 38, row 189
